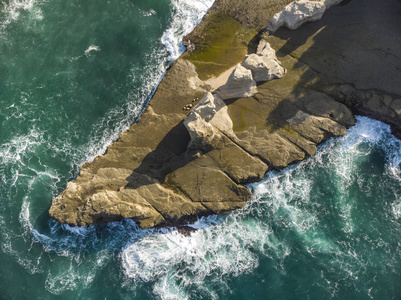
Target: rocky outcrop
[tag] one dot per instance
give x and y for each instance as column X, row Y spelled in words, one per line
column 240, row 84
column 264, row 63
column 299, row 12
column 175, row 163
column 354, row 61
column 258, row 67
column 207, row 124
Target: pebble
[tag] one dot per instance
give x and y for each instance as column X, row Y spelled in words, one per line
column 188, row 106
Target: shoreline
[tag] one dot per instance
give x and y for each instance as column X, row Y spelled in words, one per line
column 164, row 180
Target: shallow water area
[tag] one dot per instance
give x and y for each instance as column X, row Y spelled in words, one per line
column 73, row 76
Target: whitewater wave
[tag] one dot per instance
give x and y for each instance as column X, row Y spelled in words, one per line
column 284, row 204
column 92, row 48
column 13, row 9
column 181, row 266
column 186, row 15
column 23, row 174
column 150, row 12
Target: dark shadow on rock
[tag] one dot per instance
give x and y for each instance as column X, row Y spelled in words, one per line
column 254, row 42
column 169, row 155
column 294, row 41
column 344, row 2
column 342, row 51
column 324, row 66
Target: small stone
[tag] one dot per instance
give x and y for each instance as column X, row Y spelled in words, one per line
column 299, row 12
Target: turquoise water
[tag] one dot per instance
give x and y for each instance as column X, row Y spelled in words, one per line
column 73, row 75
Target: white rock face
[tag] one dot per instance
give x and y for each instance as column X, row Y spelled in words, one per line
column 264, row 65
column 299, row 12
column 259, row 67
column 240, row 84
column 207, row 121
column 265, row 49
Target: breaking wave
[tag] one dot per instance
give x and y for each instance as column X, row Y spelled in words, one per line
column 186, row 15
column 31, row 160
column 328, row 226
column 286, row 221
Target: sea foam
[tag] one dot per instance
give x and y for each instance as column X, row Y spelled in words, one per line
column 13, row 8
column 75, row 268
column 225, row 247
column 179, row 266
column 186, row 15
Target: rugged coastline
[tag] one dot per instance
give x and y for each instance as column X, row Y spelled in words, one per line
column 152, row 176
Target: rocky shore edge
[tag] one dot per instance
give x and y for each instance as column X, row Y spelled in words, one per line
column 294, row 90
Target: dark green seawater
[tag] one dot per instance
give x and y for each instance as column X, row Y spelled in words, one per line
column 73, row 75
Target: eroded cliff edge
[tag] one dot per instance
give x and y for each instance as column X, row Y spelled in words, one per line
column 163, row 170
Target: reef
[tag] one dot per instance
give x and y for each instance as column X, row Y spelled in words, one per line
column 250, row 95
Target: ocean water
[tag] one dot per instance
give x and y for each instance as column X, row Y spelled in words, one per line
column 73, row 75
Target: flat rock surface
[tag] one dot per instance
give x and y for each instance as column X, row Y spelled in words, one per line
column 348, row 62
column 354, row 55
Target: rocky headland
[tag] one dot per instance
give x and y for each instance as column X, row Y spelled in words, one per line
column 244, row 99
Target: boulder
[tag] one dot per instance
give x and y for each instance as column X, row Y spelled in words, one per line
column 265, row 49
column 258, row 67
column 396, row 106
column 207, row 122
column 299, row 12
column 264, row 68
column 275, row 150
column 322, row 105
column 240, row 84
column 204, row 183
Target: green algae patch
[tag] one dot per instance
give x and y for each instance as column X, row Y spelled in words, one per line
column 245, row 113
column 288, row 129
column 224, row 44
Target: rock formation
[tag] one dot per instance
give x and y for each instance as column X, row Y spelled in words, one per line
column 207, row 124
column 240, row 84
column 299, row 12
column 174, row 163
column 258, row 67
